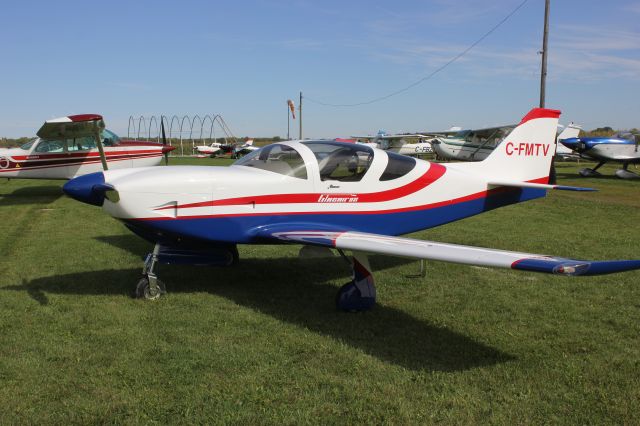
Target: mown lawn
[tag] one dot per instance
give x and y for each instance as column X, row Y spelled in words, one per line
column 261, row 343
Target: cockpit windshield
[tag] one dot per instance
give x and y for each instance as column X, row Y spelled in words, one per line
column 276, row 158
column 27, row 146
column 109, row 138
column 340, row 161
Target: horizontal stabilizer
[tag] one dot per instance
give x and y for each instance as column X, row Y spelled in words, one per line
column 540, row 186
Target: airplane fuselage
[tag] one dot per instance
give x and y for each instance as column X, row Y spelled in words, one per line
column 64, row 163
column 234, row 204
column 609, row 149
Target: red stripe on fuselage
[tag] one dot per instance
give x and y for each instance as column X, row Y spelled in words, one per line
column 45, row 164
column 470, row 197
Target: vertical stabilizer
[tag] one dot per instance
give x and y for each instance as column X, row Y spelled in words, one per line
column 525, row 155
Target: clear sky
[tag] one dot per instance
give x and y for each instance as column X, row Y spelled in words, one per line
column 243, row 59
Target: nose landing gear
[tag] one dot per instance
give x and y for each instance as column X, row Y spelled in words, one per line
column 150, row 287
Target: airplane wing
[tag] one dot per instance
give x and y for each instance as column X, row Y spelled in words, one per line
column 421, row 249
column 73, row 126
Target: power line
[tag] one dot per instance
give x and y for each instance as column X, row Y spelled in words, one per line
column 427, row 77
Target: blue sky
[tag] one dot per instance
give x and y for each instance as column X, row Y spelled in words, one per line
column 243, row 59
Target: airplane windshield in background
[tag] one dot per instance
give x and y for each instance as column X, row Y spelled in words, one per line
column 28, row 145
column 276, row 158
column 109, row 138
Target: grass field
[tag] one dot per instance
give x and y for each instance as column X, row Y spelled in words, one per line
column 261, row 343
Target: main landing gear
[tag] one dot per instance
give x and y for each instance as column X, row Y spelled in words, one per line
column 623, row 173
column 359, row 294
column 587, row 172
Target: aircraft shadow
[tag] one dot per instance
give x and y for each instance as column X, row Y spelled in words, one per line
column 295, row 291
column 603, row 176
column 32, row 195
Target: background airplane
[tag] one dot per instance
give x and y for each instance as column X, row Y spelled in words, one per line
column 476, row 145
column 401, row 144
column 342, row 196
column 71, row 146
column 622, row 148
column 209, row 150
column 571, row 131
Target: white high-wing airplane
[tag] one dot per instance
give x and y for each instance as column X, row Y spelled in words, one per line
column 476, row 145
column 399, row 143
column 343, row 196
column 73, row 146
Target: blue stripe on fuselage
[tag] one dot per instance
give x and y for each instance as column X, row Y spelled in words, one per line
column 242, row 229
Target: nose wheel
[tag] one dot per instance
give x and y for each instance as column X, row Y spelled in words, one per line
column 149, row 286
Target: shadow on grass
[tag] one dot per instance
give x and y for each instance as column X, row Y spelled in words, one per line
column 32, row 195
column 295, row 291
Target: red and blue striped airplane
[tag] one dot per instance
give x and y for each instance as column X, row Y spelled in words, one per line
column 337, row 195
column 70, row 146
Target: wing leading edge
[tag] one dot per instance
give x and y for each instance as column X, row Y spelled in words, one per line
column 420, row 249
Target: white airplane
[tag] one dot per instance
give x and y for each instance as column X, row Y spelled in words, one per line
column 476, row 145
column 244, row 149
column 71, row 146
column 469, row 145
column 342, row 196
column 399, row 143
column 209, row 150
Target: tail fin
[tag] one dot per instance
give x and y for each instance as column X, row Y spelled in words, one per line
column 571, row 131
column 525, row 155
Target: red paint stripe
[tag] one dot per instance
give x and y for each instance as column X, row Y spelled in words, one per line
column 435, row 172
column 66, row 155
column 84, row 117
column 40, row 164
column 540, row 113
column 471, row 197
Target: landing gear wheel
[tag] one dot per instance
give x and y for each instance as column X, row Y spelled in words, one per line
column 350, row 299
column 144, row 290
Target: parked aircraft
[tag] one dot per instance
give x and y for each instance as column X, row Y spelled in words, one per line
column 571, row 131
column 399, row 143
column 622, row 148
column 244, row 149
column 209, row 150
column 476, row 145
column 70, row 146
column 470, row 145
column 336, row 195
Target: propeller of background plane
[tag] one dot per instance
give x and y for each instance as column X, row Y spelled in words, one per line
column 164, row 141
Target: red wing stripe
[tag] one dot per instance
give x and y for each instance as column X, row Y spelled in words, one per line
column 434, row 173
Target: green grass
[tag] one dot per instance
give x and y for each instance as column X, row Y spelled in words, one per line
column 261, row 343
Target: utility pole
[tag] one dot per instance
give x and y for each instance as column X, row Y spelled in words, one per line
column 288, row 138
column 300, row 116
column 543, row 72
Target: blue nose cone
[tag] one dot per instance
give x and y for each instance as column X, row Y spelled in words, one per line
column 571, row 143
column 88, row 188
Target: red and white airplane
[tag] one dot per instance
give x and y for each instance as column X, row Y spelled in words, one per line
column 342, row 196
column 71, row 146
